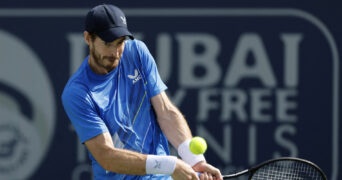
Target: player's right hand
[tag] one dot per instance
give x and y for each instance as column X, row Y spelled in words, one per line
column 184, row 171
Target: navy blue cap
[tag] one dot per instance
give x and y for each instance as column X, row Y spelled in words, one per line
column 108, row 22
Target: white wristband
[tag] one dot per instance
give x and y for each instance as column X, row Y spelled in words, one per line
column 187, row 156
column 160, row 164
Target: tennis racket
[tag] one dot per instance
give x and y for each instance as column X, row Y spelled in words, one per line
column 284, row 168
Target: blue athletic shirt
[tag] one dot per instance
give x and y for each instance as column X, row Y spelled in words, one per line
column 118, row 103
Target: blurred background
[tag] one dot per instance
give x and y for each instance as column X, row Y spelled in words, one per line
column 256, row 79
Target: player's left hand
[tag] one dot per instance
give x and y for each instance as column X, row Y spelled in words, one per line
column 207, row 171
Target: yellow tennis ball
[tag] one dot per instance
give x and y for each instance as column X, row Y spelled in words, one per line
column 198, row 145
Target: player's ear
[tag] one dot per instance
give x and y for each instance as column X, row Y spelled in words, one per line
column 87, row 37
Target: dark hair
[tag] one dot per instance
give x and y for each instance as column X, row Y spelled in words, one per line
column 93, row 36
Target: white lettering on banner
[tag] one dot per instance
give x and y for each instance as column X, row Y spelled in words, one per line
column 252, row 144
column 240, row 69
column 231, row 104
column 189, row 60
column 164, row 55
column 259, row 105
column 285, row 143
column 233, row 101
column 291, row 47
column 285, row 105
column 226, row 141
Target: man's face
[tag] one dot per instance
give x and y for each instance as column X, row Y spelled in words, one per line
column 105, row 56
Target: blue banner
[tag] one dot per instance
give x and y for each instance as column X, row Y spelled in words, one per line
column 257, row 82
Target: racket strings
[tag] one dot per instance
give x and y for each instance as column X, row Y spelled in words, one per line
column 287, row 170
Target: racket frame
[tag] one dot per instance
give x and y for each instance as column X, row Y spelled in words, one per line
column 258, row 166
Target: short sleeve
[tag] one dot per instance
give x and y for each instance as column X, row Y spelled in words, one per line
column 155, row 85
column 82, row 113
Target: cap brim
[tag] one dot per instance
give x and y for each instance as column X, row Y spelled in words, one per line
column 114, row 33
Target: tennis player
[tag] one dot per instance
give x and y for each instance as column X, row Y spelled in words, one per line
column 117, row 104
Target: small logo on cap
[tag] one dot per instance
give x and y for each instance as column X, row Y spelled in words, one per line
column 123, row 20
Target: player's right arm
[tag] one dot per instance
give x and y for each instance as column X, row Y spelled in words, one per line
column 113, row 159
column 128, row 162
column 93, row 132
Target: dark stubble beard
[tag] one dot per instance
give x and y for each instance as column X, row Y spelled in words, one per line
column 101, row 61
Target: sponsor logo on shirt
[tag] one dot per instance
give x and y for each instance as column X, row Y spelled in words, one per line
column 136, row 77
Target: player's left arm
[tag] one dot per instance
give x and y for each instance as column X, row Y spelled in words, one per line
column 176, row 129
column 171, row 120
